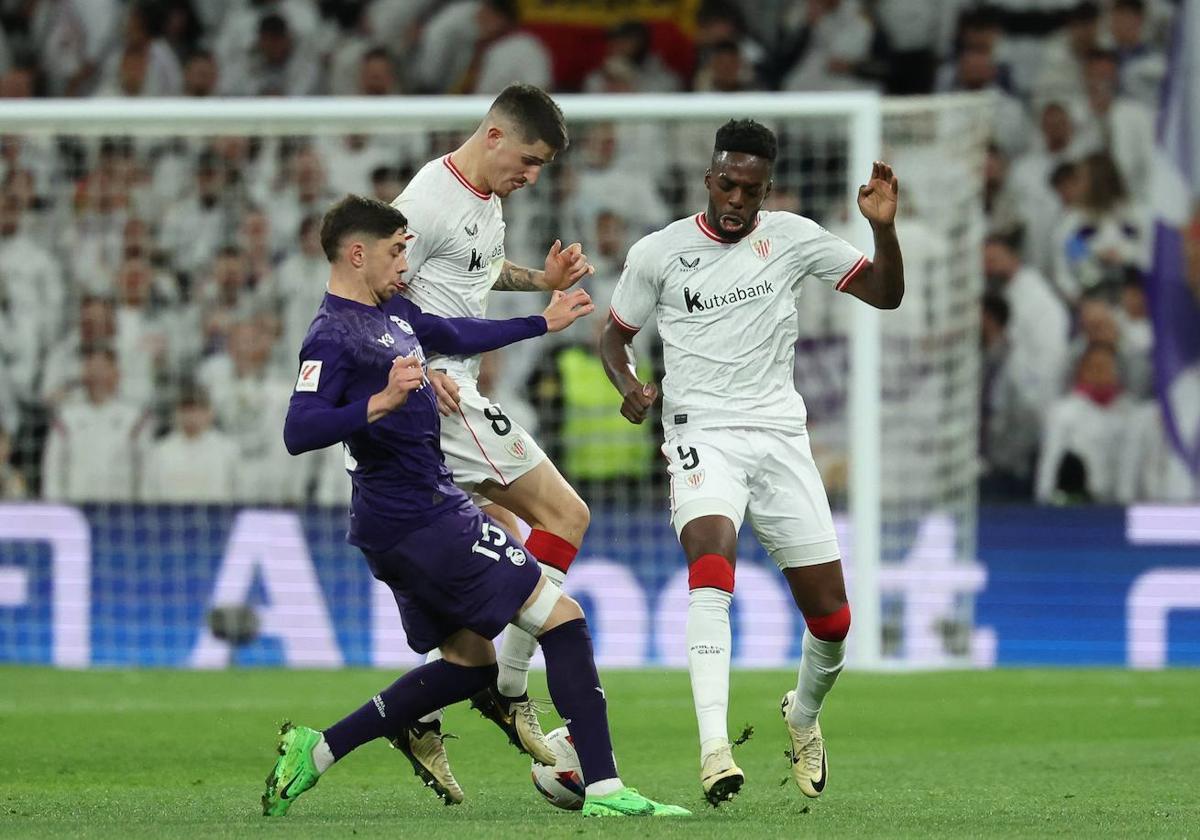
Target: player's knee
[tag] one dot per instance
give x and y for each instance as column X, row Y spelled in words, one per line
column 831, row 627
column 712, row 571
column 574, row 517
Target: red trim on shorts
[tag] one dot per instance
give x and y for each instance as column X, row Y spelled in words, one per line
column 621, row 320
column 830, row 628
column 551, row 549
column 462, row 179
column 480, row 445
column 711, row 570
column 854, row 271
column 702, row 223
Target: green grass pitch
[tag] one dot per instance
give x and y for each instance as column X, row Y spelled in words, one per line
column 1002, row 753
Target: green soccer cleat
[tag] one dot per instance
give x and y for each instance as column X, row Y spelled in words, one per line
column 627, row 802
column 294, row 771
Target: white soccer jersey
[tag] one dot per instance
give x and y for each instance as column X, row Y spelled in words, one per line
column 457, row 249
column 727, row 315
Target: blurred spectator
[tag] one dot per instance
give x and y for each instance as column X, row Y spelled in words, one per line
column 628, row 53
column 255, row 240
column 195, row 462
column 439, row 58
column 196, row 225
column 32, row 297
column 724, row 70
column 145, row 65
column 1123, row 126
column 1137, row 337
column 96, row 327
column 229, row 294
column 914, row 31
column 301, row 286
column 1150, row 467
column 1061, row 70
column 1056, row 144
column 602, row 183
column 96, row 444
column 832, row 40
column 976, row 70
column 376, row 74
column 387, row 182
column 1142, row 64
column 719, row 21
column 143, row 336
column 238, row 36
column 13, row 487
column 1100, row 322
column 72, row 38
column 304, row 193
column 1099, row 238
column 276, row 65
column 250, row 404
column 1038, row 324
column 503, row 54
column 1090, row 424
column 1010, row 424
column 200, row 75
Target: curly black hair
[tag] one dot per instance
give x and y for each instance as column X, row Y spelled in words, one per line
column 748, row 137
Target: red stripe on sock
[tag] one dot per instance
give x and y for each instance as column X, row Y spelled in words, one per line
column 551, row 549
column 830, row 628
column 711, row 570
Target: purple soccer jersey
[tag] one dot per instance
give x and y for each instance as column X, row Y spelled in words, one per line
column 396, row 467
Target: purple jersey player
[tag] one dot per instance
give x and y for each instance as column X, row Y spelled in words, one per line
column 457, row 576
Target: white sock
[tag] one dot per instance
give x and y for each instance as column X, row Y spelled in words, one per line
column 322, row 756
column 604, row 787
column 433, row 717
column 517, row 649
column 819, row 669
column 709, row 645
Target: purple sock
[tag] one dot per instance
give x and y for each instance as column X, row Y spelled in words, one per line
column 575, row 689
column 419, row 692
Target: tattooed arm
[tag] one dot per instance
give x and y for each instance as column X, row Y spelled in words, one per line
column 564, row 268
column 515, row 278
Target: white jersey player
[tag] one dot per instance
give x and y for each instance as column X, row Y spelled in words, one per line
column 724, row 286
column 456, row 258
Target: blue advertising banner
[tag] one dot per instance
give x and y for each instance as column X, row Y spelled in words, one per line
column 132, row 586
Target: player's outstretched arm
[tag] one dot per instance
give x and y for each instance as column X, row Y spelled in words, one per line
column 564, row 268
column 881, row 284
column 471, row 336
column 616, row 352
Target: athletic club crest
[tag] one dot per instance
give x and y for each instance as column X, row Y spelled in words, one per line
column 762, row 247
column 517, row 449
column 695, row 479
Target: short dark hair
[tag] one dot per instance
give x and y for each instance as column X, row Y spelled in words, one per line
column 536, row 115
column 748, row 137
column 376, row 52
column 273, row 24
column 1006, row 239
column 1138, row 6
column 356, row 214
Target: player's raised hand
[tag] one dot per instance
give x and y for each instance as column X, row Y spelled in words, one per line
column 877, row 198
column 637, row 402
column 446, row 390
column 566, row 266
column 405, row 377
column 566, row 308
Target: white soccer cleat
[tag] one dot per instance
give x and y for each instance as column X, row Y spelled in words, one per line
column 720, row 776
column 810, row 765
column 519, row 721
column 422, row 746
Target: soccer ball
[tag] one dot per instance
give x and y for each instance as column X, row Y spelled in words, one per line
column 562, row 784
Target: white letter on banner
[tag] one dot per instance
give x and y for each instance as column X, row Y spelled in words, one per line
column 70, row 539
column 389, row 642
column 1152, row 597
column 272, row 544
column 619, row 617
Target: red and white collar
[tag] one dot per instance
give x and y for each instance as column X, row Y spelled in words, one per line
column 462, row 179
column 707, row 230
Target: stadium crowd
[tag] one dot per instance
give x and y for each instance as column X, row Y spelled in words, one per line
column 153, row 291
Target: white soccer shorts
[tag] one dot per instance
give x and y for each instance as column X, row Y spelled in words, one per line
column 768, row 475
column 483, row 443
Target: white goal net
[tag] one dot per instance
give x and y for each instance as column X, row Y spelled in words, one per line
column 158, row 269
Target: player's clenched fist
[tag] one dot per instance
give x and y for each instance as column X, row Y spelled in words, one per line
column 637, row 402
column 565, row 308
column 446, row 391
